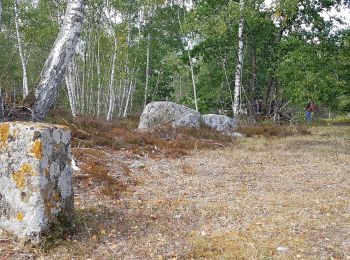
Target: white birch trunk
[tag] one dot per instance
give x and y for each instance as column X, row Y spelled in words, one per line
column 147, row 68
column 111, row 103
column 21, row 51
column 193, row 81
column 71, row 89
column 191, row 66
column 128, row 100
column 127, row 72
column 61, row 54
column 238, row 75
column 98, row 79
column 0, row 14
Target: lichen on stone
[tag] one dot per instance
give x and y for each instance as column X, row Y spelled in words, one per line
column 20, row 216
column 20, row 176
column 4, row 133
column 36, row 150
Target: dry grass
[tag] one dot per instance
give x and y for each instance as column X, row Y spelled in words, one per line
column 257, row 198
column 90, row 132
column 273, row 130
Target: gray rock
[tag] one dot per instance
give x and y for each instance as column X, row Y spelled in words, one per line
column 160, row 113
column 234, row 134
column 220, row 123
column 35, row 178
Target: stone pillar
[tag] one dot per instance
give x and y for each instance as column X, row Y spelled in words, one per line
column 35, row 178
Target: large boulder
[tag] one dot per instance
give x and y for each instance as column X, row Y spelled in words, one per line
column 159, row 113
column 220, row 123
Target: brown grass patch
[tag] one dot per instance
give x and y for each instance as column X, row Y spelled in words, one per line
column 92, row 132
column 273, row 130
column 95, row 168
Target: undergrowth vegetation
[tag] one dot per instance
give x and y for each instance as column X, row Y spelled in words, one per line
column 93, row 140
column 92, row 132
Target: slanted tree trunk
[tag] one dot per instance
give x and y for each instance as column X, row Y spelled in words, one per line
column 71, row 88
column 238, row 75
column 21, row 51
column 52, row 75
column 193, row 80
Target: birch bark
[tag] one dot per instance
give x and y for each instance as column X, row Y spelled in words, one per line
column 111, row 105
column 191, row 65
column 238, row 75
column 0, row 13
column 98, row 79
column 147, row 68
column 61, row 54
column 71, row 89
column 193, row 80
column 21, row 51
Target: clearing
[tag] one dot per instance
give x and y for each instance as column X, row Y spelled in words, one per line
column 258, row 198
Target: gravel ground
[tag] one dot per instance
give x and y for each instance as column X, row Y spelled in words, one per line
column 277, row 198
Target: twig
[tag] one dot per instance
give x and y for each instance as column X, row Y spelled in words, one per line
column 86, row 148
column 75, row 127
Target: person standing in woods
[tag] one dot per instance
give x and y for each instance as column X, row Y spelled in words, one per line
column 310, row 108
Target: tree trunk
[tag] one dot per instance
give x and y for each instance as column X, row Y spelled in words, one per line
column 147, row 68
column 111, row 105
column 98, row 79
column 21, row 51
column 239, row 66
column 0, row 13
column 71, row 88
column 193, row 80
column 191, row 65
column 61, row 54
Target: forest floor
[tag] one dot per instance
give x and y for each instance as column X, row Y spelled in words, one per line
column 255, row 198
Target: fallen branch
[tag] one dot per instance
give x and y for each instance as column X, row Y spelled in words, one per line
column 81, row 131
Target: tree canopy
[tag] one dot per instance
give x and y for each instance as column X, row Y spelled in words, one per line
column 184, row 51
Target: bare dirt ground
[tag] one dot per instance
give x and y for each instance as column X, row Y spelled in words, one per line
column 276, row 198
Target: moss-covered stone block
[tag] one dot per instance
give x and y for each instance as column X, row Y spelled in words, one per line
column 35, row 178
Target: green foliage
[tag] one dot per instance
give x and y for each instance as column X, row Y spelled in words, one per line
column 289, row 52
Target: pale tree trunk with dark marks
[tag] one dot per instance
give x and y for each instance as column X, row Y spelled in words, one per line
column 238, row 74
column 21, row 50
column 112, row 96
column 53, row 73
column 0, row 13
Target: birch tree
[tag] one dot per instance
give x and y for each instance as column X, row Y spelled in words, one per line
column 52, row 75
column 70, row 84
column 112, row 95
column 238, row 74
column 0, row 13
column 21, row 50
column 191, row 65
column 147, row 68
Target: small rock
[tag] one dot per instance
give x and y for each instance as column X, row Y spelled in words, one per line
column 137, row 165
column 282, row 249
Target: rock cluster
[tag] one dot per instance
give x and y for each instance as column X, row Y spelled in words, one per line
column 160, row 113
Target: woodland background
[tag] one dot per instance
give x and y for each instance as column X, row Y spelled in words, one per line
column 133, row 52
